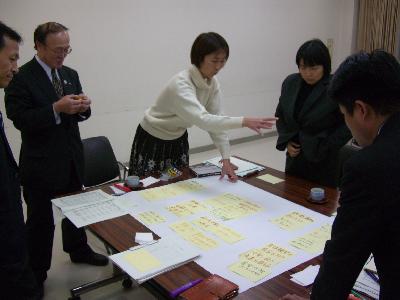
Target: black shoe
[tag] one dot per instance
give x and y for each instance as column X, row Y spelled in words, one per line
column 89, row 257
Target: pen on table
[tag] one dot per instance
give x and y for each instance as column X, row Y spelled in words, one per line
column 372, row 275
column 180, row 290
column 142, row 245
column 122, row 187
column 356, row 294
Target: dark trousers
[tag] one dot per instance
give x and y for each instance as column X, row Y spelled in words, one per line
column 40, row 227
column 17, row 282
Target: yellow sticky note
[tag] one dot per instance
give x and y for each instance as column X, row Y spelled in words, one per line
column 249, row 270
column 225, row 233
column 187, row 231
column 142, row 260
column 171, row 190
column 179, row 210
column 186, row 208
column 202, row 241
column 150, row 217
column 269, row 178
column 184, row 228
column 314, row 241
column 292, row 221
column 228, row 207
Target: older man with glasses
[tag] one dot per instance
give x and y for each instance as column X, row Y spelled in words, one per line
column 45, row 102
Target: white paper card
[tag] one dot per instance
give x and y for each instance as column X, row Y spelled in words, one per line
column 307, row 276
column 149, row 180
column 143, row 237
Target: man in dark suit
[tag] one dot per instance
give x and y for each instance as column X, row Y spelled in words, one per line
column 16, row 277
column 45, row 102
column 367, row 88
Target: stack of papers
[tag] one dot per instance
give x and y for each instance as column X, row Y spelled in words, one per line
column 205, row 169
column 367, row 283
column 305, row 277
column 371, row 265
column 245, row 168
column 90, row 207
column 144, row 262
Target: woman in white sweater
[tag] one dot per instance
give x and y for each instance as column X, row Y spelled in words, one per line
column 191, row 97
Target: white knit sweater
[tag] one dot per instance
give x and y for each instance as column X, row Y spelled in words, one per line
column 187, row 100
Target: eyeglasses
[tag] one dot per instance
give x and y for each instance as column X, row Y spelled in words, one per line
column 64, row 51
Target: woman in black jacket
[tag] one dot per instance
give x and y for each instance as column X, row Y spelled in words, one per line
column 310, row 126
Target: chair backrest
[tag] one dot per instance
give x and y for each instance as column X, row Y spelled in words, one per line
column 101, row 165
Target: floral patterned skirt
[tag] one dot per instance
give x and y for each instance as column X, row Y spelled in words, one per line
column 150, row 155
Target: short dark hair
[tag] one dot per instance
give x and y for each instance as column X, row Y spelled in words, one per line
column 313, row 53
column 8, row 32
column 41, row 32
column 205, row 44
column 373, row 78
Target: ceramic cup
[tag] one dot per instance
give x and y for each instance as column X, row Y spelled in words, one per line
column 132, row 181
column 317, row 194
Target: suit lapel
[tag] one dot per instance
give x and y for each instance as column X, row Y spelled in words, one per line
column 43, row 81
column 290, row 101
column 5, row 142
column 316, row 93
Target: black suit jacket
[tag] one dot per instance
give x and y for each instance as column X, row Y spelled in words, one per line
column 368, row 219
column 12, row 227
column 48, row 150
column 319, row 127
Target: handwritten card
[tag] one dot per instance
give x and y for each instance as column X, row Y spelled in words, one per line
column 271, row 179
column 150, row 217
column 292, row 221
column 142, row 260
column 257, row 263
column 187, row 231
column 223, row 232
column 228, row 207
column 314, row 241
column 171, row 190
column 186, row 208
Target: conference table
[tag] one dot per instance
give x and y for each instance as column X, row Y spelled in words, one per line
column 118, row 234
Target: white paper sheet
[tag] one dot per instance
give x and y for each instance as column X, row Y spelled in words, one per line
column 81, row 199
column 143, row 237
column 117, row 191
column 256, row 228
column 367, row 285
column 149, row 180
column 93, row 213
column 307, row 276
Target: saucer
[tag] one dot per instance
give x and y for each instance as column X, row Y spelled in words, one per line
column 322, row 201
column 135, row 188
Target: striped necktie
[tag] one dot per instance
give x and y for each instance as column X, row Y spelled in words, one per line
column 57, row 83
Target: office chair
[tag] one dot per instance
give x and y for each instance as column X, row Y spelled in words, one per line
column 101, row 166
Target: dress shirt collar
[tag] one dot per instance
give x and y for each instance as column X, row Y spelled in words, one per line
column 46, row 68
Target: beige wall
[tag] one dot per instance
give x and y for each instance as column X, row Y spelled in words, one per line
column 126, row 50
